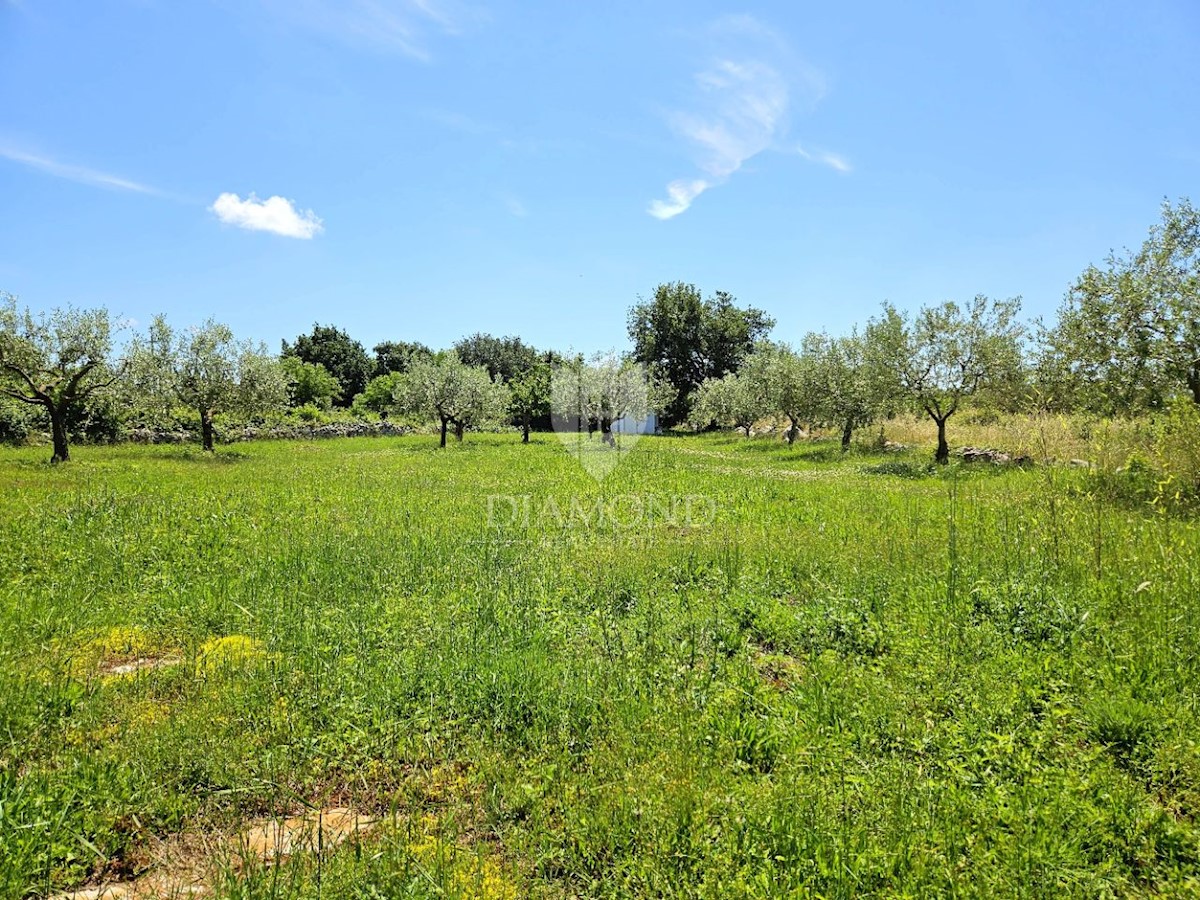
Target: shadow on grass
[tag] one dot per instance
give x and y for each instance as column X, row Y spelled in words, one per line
column 222, row 456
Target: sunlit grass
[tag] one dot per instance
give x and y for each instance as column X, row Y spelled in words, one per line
column 843, row 675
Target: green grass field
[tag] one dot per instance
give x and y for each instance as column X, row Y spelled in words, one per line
column 760, row 671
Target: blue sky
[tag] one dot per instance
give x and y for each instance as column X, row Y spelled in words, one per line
column 446, row 166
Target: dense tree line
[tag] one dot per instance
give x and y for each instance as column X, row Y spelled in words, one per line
column 1126, row 341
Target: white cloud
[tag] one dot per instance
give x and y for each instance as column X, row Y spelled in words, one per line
column 275, row 214
column 79, row 174
column 401, row 26
column 682, row 193
column 741, row 108
column 748, row 103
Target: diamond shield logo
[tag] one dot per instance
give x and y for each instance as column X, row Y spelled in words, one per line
column 600, row 407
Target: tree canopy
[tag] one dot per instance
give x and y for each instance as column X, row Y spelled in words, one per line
column 503, row 357
column 531, row 397
column 590, row 395
column 685, row 339
column 393, row 357
column 1128, row 334
column 310, row 383
column 342, row 356
column 444, row 389
column 736, row 400
column 946, row 353
column 55, row 360
column 208, row 370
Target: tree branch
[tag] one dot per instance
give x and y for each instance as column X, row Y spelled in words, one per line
column 32, row 401
column 68, row 393
column 39, row 393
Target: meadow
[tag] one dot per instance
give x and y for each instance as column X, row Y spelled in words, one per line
column 754, row 670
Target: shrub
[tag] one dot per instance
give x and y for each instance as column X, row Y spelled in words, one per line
column 18, row 421
column 1124, row 725
column 1177, row 452
column 901, row 468
column 1027, row 613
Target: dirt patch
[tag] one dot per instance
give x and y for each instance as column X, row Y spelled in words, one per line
column 150, row 887
column 311, row 833
column 116, row 668
column 188, row 865
column 778, row 670
column 117, row 652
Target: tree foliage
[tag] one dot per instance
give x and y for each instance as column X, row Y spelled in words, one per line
column 444, row 389
column 379, row 396
column 736, row 400
column 531, row 397
column 946, row 353
column 1128, row 335
column 394, row 357
column 503, row 357
column 309, row 383
column 787, row 381
column 55, row 361
column 685, row 339
column 589, row 396
column 206, row 369
column 853, row 391
column 342, row 356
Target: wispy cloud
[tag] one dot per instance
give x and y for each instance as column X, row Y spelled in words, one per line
column 824, row 157
column 681, row 194
column 514, row 205
column 79, row 174
column 743, row 99
column 275, row 214
column 399, row 26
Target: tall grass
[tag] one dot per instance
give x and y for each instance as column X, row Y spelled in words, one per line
column 975, row 682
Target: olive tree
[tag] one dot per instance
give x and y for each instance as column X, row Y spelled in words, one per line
column 1128, row 335
column 55, row 361
column 206, row 369
column 591, row 395
column 444, row 388
column 852, row 391
column 786, row 382
column 945, row 353
column 737, row 400
column 531, row 397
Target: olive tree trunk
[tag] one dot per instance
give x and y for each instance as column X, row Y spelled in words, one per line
column 58, row 433
column 206, row 429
